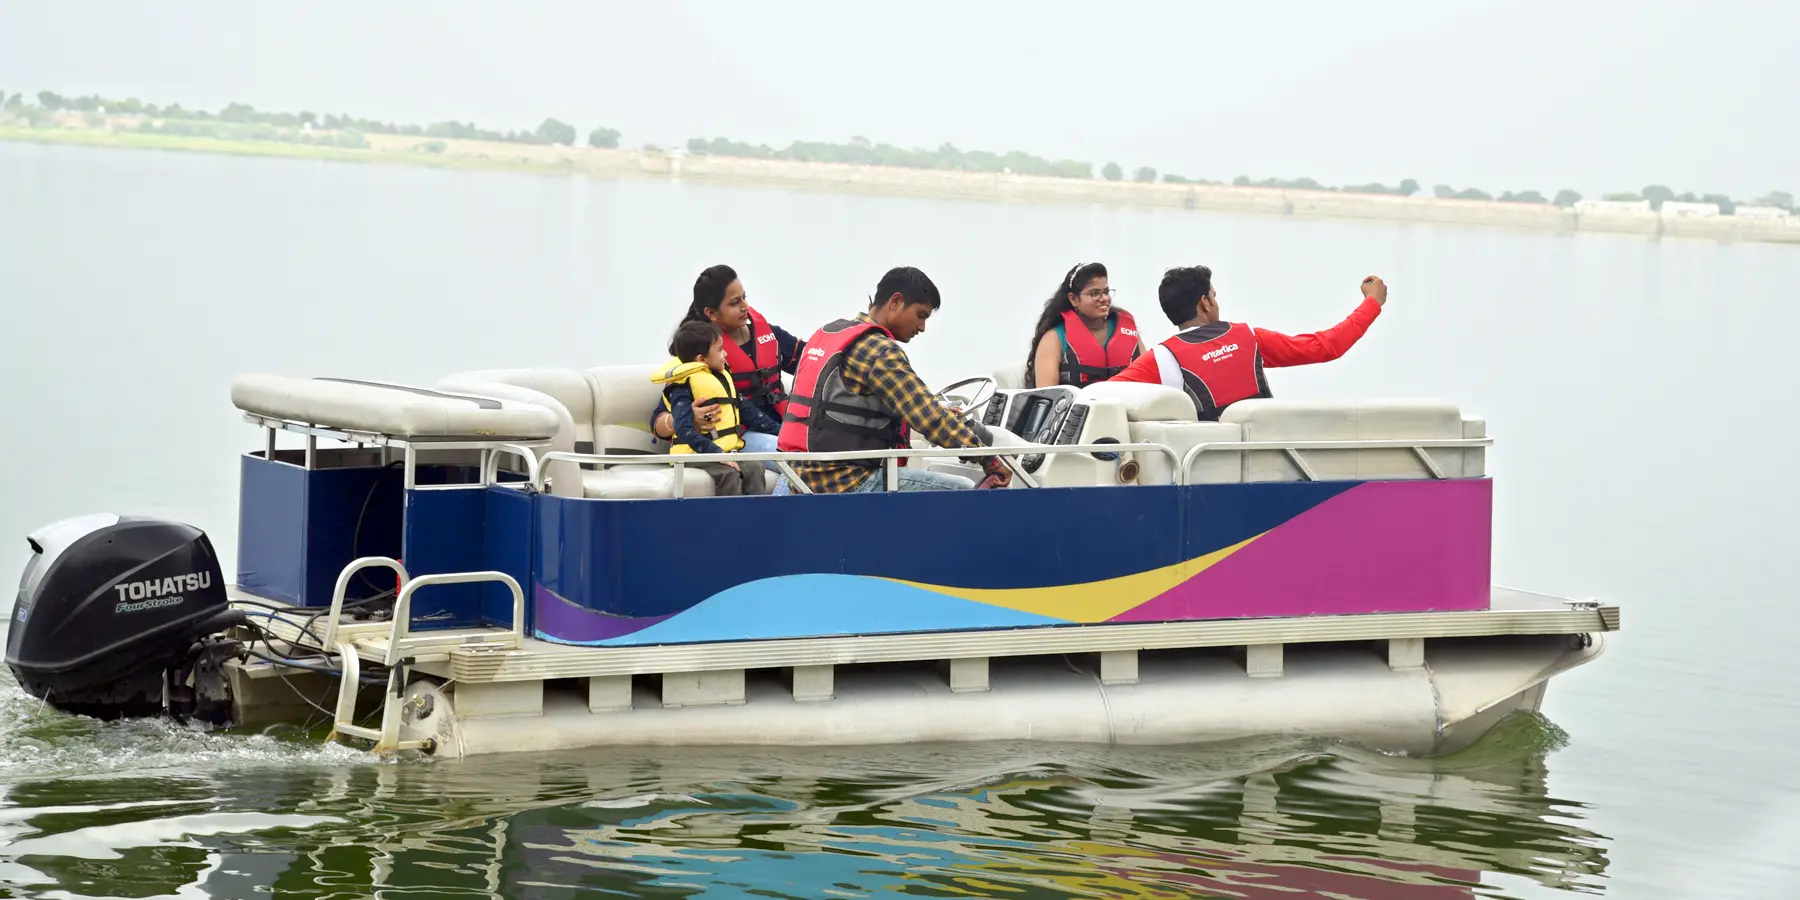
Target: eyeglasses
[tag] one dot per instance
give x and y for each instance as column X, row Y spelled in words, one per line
column 1097, row 293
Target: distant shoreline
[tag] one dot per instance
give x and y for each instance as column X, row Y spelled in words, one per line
column 892, row 181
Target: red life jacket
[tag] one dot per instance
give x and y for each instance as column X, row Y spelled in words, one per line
column 823, row 414
column 1220, row 365
column 1084, row 361
column 758, row 380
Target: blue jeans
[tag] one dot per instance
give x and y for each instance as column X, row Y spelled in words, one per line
column 757, row 442
column 913, row 478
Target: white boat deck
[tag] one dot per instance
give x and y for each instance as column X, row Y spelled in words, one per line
column 494, row 690
column 477, row 655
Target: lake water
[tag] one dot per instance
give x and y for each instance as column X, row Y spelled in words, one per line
column 1637, row 392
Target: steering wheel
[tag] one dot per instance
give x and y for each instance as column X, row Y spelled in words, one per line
column 969, row 402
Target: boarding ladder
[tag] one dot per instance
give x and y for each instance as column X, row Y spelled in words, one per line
column 396, row 646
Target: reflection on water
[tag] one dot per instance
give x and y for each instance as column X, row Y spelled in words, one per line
column 1251, row 820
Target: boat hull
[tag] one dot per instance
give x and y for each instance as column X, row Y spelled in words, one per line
column 1340, row 691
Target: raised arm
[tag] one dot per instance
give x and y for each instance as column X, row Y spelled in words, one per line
column 1324, row 346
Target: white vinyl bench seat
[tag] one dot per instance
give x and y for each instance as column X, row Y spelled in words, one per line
column 605, row 409
column 1273, row 420
column 391, row 410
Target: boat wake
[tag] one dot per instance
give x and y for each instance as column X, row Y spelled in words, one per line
column 37, row 741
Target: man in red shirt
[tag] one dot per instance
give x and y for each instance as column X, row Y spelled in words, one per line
column 1218, row 363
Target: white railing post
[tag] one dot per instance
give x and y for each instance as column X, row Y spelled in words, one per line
column 328, row 639
column 888, row 457
column 402, row 625
column 1292, row 450
column 490, row 470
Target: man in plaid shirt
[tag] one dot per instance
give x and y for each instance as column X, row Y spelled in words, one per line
column 875, row 370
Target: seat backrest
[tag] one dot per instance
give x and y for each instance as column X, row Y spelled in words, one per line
column 568, row 387
column 550, row 389
column 1211, row 467
column 1145, row 402
column 1366, row 420
column 624, row 399
column 1010, row 376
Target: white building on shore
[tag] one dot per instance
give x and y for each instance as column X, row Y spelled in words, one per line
column 1677, row 209
column 1769, row 213
column 1615, row 207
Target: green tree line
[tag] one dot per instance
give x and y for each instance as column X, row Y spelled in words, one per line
column 239, row 121
column 862, row 151
column 550, row 131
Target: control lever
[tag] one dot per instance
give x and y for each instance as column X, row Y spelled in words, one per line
column 1018, row 473
column 1004, row 438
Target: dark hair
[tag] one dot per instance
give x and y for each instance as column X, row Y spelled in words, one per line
column 693, row 339
column 1073, row 283
column 1181, row 290
column 911, row 284
column 709, row 291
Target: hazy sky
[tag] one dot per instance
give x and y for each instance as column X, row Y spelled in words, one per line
column 1598, row 95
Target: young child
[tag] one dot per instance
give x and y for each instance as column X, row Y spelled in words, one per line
column 697, row 376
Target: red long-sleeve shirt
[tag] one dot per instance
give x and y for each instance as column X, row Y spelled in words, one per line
column 1280, row 349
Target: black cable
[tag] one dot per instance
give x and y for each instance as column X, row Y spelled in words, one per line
column 305, row 627
column 264, row 635
column 297, row 664
column 314, row 616
column 356, row 535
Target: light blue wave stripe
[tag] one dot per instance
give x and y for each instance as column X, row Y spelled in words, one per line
column 793, row 606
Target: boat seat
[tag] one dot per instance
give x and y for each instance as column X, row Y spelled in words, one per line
column 567, row 387
column 1211, row 467
column 644, row 483
column 1009, row 377
column 624, row 397
column 563, row 391
column 605, row 409
column 394, row 410
column 1144, row 402
column 1329, row 420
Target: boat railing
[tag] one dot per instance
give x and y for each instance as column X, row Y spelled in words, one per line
column 1184, row 462
column 890, row 459
column 536, row 465
column 329, row 639
column 387, row 735
column 1294, row 448
column 490, row 467
column 397, row 636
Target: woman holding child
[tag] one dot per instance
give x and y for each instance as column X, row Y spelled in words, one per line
column 756, row 352
column 696, row 376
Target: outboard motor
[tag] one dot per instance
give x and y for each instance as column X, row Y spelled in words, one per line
column 117, row 616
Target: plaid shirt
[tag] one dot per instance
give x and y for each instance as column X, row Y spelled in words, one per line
column 877, row 367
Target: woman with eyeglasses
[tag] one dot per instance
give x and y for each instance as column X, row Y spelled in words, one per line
column 1081, row 337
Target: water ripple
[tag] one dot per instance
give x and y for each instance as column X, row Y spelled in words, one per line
column 149, row 808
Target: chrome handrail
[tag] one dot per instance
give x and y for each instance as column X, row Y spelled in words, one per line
column 329, row 639
column 680, row 460
column 1293, row 448
column 403, row 604
column 490, row 469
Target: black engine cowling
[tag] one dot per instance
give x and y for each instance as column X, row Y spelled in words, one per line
column 114, row 618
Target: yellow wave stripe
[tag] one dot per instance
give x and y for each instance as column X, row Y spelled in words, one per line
column 1092, row 601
